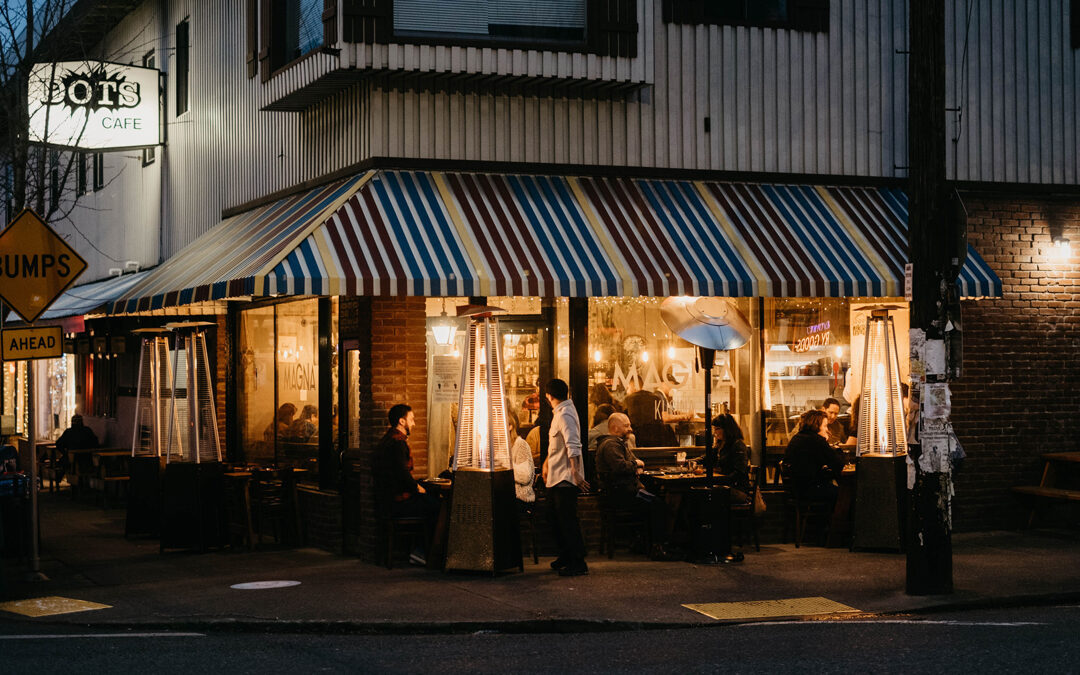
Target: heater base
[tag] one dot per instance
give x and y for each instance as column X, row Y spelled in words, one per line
column 484, row 535
column 880, row 502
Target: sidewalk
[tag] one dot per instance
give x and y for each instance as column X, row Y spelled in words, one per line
column 86, row 557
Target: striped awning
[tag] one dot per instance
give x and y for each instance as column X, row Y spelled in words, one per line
column 459, row 234
column 89, row 297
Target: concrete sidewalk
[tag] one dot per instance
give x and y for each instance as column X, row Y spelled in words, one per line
column 86, row 557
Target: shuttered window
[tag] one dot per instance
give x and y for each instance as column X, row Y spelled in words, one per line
column 515, row 19
column 801, row 15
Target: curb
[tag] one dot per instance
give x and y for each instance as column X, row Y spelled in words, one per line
column 533, row 626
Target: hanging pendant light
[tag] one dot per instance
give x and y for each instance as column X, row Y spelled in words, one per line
column 444, row 328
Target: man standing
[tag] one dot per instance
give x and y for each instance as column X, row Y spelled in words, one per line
column 564, row 476
column 396, row 491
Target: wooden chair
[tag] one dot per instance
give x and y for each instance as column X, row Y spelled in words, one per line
column 800, row 510
column 273, row 503
column 527, row 519
column 742, row 514
column 390, row 526
column 613, row 518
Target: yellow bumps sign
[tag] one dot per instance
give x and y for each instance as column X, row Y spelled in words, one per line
column 36, row 266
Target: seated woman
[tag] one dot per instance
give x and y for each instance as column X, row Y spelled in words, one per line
column 522, row 460
column 732, row 456
column 307, row 427
column 814, row 463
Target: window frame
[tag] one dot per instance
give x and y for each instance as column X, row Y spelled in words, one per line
column 99, row 170
column 810, row 16
column 183, row 66
column 149, row 155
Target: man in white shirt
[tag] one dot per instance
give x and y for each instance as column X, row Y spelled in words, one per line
column 564, row 476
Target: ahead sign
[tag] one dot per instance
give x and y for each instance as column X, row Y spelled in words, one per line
column 33, row 343
column 36, row 265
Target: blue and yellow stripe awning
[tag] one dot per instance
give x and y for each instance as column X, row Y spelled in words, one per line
column 421, row 233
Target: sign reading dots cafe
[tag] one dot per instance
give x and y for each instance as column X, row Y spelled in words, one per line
column 92, row 105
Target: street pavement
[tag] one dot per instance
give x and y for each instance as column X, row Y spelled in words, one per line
column 86, row 558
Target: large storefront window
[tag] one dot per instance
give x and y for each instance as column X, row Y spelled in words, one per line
column 535, row 348
column 637, row 365
column 278, row 385
column 813, row 352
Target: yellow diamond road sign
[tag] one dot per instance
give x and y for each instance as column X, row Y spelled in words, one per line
column 36, row 265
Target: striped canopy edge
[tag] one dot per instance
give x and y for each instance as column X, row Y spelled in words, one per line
column 420, row 233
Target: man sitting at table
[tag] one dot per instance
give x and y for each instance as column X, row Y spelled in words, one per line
column 396, row 491
column 838, row 431
column 75, row 437
column 617, row 470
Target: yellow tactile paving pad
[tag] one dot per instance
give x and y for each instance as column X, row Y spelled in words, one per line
column 49, row 606
column 765, row 609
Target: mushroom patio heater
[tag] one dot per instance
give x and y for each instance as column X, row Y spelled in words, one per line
column 711, row 324
column 882, row 442
column 483, row 533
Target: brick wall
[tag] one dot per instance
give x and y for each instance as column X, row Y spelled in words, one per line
column 1019, row 392
column 390, row 333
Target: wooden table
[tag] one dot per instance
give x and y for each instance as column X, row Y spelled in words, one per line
column 112, row 469
column 1054, row 485
column 436, row 555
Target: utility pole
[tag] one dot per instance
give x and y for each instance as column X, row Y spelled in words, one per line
column 936, row 253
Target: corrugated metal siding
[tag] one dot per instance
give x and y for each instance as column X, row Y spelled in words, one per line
column 777, row 101
column 1018, row 90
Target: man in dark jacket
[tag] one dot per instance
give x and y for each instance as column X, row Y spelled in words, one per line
column 75, row 437
column 618, row 469
column 396, row 491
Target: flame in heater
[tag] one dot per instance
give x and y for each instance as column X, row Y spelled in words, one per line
column 881, row 407
column 480, row 412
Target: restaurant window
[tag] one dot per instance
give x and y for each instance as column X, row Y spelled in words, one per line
column 529, row 331
column 280, row 421
column 14, row 413
column 813, row 351
column 639, row 366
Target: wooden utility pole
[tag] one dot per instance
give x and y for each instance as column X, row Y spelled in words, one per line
column 935, row 259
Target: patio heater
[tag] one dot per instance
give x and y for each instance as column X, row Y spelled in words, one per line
column 483, row 533
column 153, row 401
column 192, row 502
column 712, row 324
column 882, row 440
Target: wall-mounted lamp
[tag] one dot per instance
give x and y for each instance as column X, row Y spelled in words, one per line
column 444, row 328
column 1061, row 242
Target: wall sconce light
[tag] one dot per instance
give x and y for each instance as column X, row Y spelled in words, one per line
column 1061, row 242
column 444, row 328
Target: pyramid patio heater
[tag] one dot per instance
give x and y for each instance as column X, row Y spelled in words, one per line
column 192, row 503
column 711, row 324
column 483, row 533
column 153, row 403
column 882, row 439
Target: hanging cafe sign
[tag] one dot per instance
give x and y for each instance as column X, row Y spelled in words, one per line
column 93, row 105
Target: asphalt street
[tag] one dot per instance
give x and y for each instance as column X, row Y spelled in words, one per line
column 1031, row 640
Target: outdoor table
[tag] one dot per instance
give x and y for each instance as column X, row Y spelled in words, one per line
column 436, row 555
column 238, row 491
